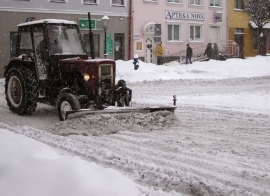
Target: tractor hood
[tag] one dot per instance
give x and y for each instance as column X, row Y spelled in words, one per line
column 70, row 64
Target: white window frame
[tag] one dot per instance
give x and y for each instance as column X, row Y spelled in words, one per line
column 192, row 38
column 214, row 2
column 173, row 2
column 58, row 1
column 90, row 3
column 180, row 35
column 120, row 5
column 150, row 1
column 195, row 2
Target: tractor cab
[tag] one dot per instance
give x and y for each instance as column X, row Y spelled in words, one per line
column 48, row 41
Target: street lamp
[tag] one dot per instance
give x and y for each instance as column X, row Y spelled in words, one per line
column 105, row 19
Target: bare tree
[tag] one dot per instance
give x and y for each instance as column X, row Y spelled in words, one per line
column 259, row 12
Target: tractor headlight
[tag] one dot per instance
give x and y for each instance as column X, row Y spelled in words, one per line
column 86, row 77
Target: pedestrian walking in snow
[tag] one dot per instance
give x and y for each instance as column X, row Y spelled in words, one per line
column 209, row 51
column 215, row 52
column 159, row 53
column 189, row 54
column 136, row 62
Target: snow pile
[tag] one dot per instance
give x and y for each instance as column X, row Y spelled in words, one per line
column 103, row 124
column 39, row 170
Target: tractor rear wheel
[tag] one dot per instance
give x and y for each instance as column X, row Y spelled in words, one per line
column 21, row 89
column 66, row 102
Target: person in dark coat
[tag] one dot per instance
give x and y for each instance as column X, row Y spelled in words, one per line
column 54, row 45
column 136, row 62
column 215, row 52
column 209, row 51
column 189, row 54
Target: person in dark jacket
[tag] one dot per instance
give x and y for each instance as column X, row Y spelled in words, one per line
column 215, row 52
column 209, row 51
column 189, row 54
column 54, row 45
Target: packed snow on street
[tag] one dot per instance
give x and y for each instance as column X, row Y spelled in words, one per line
column 217, row 142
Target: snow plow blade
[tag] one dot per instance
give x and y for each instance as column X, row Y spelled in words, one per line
column 82, row 112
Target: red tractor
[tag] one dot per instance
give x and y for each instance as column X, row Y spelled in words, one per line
column 52, row 67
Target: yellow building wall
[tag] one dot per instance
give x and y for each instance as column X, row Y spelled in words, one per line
column 240, row 19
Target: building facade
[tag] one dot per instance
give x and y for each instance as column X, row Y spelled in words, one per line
column 176, row 23
column 244, row 32
column 14, row 12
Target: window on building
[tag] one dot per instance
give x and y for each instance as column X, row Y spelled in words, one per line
column 195, row 33
column 239, row 4
column 174, row 1
column 13, row 43
column 255, row 40
column 118, row 2
column 59, row 1
column 195, row 2
column 175, row 32
column 216, row 3
column 96, row 38
column 90, row 1
column 239, row 31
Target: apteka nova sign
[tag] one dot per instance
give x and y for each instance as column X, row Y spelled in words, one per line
column 183, row 15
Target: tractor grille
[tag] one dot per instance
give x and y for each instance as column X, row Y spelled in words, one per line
column 106, row 74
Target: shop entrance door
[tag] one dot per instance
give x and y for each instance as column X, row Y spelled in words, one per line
column 239, row 39
column 214, row 34
column 149, row 43
column 119, row 50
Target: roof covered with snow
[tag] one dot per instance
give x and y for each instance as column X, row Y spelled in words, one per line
column 54, row 21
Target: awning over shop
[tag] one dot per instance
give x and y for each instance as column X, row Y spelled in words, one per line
column 253, row 25
column 149, row 28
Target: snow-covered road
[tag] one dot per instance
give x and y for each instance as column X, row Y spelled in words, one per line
column 202, row 149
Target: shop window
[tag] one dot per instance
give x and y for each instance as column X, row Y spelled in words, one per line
column 175, row 32
column 238, row 4
column 118, row 2
column 215, row 3
column 195, row 2
column 90, row 1
column 195, row 33
column 13, row 43
column 96, row 38
column 139, row 45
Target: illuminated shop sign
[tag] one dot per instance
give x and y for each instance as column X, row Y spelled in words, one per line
column 183, row 15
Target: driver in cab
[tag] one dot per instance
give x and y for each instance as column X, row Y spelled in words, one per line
column 53, row 43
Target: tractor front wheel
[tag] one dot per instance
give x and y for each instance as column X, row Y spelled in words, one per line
column 66, row 102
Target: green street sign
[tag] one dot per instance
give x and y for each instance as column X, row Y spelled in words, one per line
column 84, row 24
column 109, row 46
